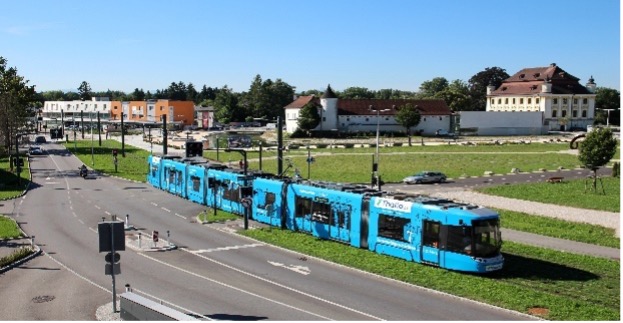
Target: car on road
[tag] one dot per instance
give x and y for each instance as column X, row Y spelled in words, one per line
column 40, row 140
column 444, row 133
column 425, row 177
column 35, row 150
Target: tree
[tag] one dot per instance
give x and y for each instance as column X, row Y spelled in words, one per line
column 138, row 95
column 428, row 89
column 226, row 106
column 607, row 98
column 408, row 116
column 478, row 86
column 356, row 93
column 309, row 118
column 596, row 150
column 456, row 95
column 16, row 103
column 266, row 99
column 85, row 91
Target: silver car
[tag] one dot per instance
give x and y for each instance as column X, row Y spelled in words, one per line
column 425, row 177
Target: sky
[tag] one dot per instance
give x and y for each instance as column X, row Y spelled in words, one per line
column 398, row 44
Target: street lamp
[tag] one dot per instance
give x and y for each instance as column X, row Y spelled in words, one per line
column 375, row 165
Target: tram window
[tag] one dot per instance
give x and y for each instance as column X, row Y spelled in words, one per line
column 459, row 239
column 321, row 212
column 171, row 177
column 342, row 218
column 269, row 200
column 232, row 194
column 392, row 227
column 196, row 183
column 154, row 171
column 303, row 206
column 431, row 234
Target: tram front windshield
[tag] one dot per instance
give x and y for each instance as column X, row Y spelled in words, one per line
column 487, row 239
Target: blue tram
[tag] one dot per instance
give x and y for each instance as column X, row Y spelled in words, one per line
column 416, row 228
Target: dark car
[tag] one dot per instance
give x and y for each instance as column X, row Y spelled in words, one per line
column 35, row 150
column 40, row 140
column 425, row 177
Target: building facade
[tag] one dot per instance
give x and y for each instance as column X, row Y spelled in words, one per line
column 146, row 112
column 565, row 104
column 364, row 115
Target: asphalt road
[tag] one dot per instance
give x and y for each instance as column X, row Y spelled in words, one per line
column 213, row 274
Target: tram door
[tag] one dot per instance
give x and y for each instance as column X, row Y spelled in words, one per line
column 430, row 242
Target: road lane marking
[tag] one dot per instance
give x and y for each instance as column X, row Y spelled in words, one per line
column 233, row 287
column 164, row 208
column 226, row 248
column 284, row 286
column 107, row 213
column 97, row 207
column 94, row 230
column 181, row 216
column 304, row 270
column 154, row 204
column 80, row 220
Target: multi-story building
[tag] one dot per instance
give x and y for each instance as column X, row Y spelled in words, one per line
column 565, row 104
column 143, row 112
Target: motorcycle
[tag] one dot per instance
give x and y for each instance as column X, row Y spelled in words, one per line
column 83, row 172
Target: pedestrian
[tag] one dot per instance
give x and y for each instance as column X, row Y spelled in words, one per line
column 241, row 164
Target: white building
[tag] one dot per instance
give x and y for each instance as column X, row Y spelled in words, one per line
column 565, row 104
column 360, row 115
column 51, row 111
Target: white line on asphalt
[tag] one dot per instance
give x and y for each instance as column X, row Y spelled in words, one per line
column 107, row 213
column 232, row 287
column 164, row 208
column 154, row 204
column 253, row 245
column 80, row 220
column 94, row 230
column 97, row 207
column 284, row 286
column 181, row 216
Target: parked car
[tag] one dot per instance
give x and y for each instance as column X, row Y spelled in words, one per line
column 40, row 140
column 444, row 133
column 425, row 177
column 35, row 150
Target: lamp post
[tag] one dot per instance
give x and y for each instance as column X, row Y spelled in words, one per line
column 375, row 164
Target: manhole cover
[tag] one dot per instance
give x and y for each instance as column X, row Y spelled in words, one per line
column 43, row 299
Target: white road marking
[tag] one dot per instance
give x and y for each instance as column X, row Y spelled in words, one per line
column 226, row 248
column 298, row 269
column 164, row 208
column 284, row 286
column 94, row 230
column 181, row 216
column 79, row 220
column 232, row 287
column 97, row 207
column 154, row 204
column 107, row 213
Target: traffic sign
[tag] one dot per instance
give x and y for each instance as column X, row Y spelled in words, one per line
column 112, row 258
column 246, row 202
column 112, row 269
column 154, row 236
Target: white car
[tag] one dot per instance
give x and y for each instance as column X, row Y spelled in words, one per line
column 425, row 177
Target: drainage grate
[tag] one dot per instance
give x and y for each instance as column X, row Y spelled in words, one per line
column 43, row 299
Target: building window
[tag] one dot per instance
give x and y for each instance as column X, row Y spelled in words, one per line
column 367, row 119
column 506, row 101
column 499, row 101
column 564, row 113
column 564, row 100
column 574, row 113
column 583, row 113
column 529, row 100
column 585, row 101
column 492, row 101
column 536, row 101
column 324, row 119
column 555, row 101
column 575, row 101
column 554, row 113
column 513, row 100
column 521, row 101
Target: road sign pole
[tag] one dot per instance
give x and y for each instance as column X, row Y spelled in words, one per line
column 112, row 265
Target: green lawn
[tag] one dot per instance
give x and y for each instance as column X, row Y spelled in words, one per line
column 8, row 228
column 10, row 187
column 573, row 193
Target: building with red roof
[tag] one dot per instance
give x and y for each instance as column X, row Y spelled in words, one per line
column 362, row 115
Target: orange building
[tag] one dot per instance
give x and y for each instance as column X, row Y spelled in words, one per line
column 180, row 112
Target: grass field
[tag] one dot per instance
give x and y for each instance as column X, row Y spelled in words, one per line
column 10, row 187
column 8, row 228
column 573, row 193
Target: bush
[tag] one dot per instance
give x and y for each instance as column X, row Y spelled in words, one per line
column 20, row 253
column 616, row 172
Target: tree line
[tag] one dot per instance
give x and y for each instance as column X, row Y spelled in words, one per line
column 265, row 99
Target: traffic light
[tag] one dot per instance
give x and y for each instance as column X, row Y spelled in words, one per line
column 114, row 152
column 18, row 161
column 194, row 148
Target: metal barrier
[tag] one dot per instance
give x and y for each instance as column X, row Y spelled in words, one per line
column 138, row 308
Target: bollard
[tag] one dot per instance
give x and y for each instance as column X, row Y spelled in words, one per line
column 168, row 238
column 103, row 219
column 127, row 220
column 127, row 288
column 139, row 240
column 32, row 241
